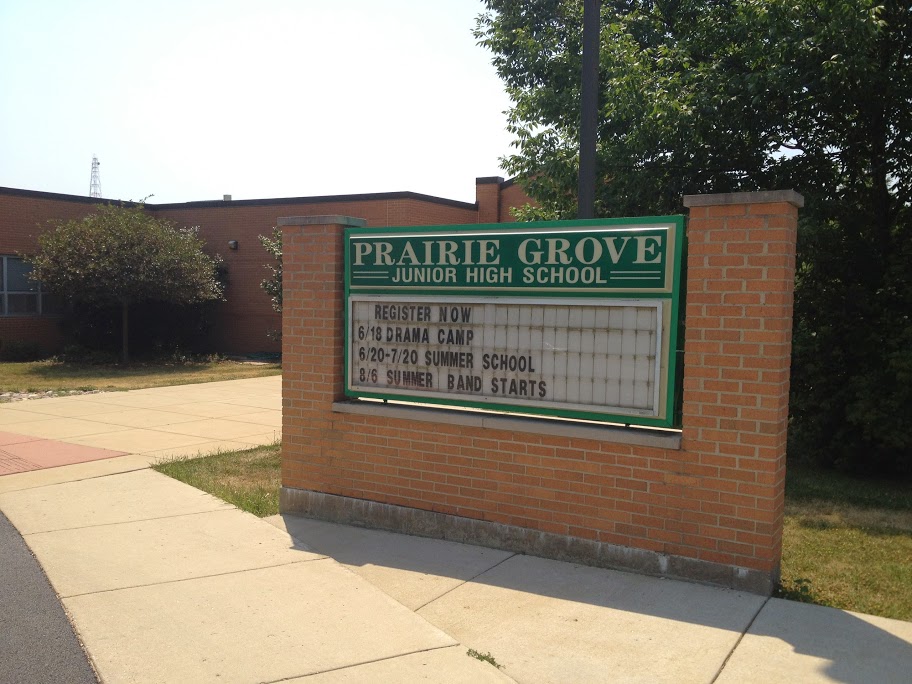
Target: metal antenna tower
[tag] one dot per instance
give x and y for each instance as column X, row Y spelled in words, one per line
column 95, row 185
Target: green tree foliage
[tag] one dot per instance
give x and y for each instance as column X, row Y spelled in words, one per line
column 121, row 255
column 734, row 95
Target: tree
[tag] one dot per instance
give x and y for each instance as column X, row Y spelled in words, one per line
column 733, row 95
column 273, row 286
column 121, row 255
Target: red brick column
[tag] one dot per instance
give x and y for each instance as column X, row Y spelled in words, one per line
column 487, row 197
column 313, row 338
column 737, row 356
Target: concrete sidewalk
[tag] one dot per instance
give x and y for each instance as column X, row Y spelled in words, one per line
column 149, row 424
column 164, row 583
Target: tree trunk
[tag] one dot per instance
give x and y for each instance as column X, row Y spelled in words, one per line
column 125, row 332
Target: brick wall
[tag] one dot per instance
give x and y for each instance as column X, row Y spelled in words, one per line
column 706, row 504
column 241, row 322
column 45, row 330
column 23, row 216
column 495, row 198
column 512, row 195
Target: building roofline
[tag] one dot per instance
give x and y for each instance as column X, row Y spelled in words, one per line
column 60, row 197
column 365, row 197
column 317, row 199
column 496, row 180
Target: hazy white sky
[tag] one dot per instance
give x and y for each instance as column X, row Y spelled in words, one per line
column 192, row 99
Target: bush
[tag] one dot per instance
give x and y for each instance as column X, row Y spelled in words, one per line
column 20, row 350
column 851, row 386
column 158, row 330
column 121, row 256
column 76, row 353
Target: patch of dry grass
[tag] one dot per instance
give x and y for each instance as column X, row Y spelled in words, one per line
column 40, row 376
column 828, row 514
column 249, row 479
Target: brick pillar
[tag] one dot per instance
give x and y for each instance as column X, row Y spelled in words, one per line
column 737, row 355
column 313, row 341
column 487, row 197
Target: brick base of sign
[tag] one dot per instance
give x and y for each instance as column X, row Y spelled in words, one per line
column 705, row 504
column 421, row 523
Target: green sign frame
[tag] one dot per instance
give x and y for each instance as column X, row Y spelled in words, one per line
column 602, row 262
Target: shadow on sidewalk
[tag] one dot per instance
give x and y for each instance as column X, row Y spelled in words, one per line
column 844, row 647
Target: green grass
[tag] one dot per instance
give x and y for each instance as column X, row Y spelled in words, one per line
column 249, row 479
column 41, row 376
column 846, row 543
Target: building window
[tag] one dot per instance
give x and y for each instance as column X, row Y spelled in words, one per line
column 20, row 296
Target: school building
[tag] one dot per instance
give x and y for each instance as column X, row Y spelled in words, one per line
column 242, row 321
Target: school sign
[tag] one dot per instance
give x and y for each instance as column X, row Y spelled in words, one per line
column 573, row 319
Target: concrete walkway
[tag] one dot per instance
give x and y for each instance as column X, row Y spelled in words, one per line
column 164, row 583
column 149, row 424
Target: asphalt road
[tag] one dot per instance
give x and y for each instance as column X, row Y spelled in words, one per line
column 37, row 643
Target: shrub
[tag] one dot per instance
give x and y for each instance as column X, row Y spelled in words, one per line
column 20, row 350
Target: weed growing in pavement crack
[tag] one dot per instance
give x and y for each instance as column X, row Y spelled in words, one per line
column 485, row 657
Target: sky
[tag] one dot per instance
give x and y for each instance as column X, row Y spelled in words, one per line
column 186, row 100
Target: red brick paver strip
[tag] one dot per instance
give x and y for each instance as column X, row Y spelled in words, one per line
column 22, row 453
column 7, row 438
column 10, row 464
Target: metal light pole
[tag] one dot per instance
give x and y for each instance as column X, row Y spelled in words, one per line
column 589, row 109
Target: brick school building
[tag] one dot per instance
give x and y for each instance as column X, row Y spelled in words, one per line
column 241, row 323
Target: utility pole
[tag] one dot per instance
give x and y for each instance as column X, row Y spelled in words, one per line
column 589, row 108
column 95, row 183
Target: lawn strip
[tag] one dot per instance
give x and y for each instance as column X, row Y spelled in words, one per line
column 863, row 569
column 42, row 376
column 847, row 543
column 249, row 479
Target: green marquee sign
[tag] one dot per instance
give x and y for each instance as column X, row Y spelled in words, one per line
column 575, row 319
column 598, row 259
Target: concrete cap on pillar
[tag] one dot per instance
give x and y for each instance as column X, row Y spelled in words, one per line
column 764, row 197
